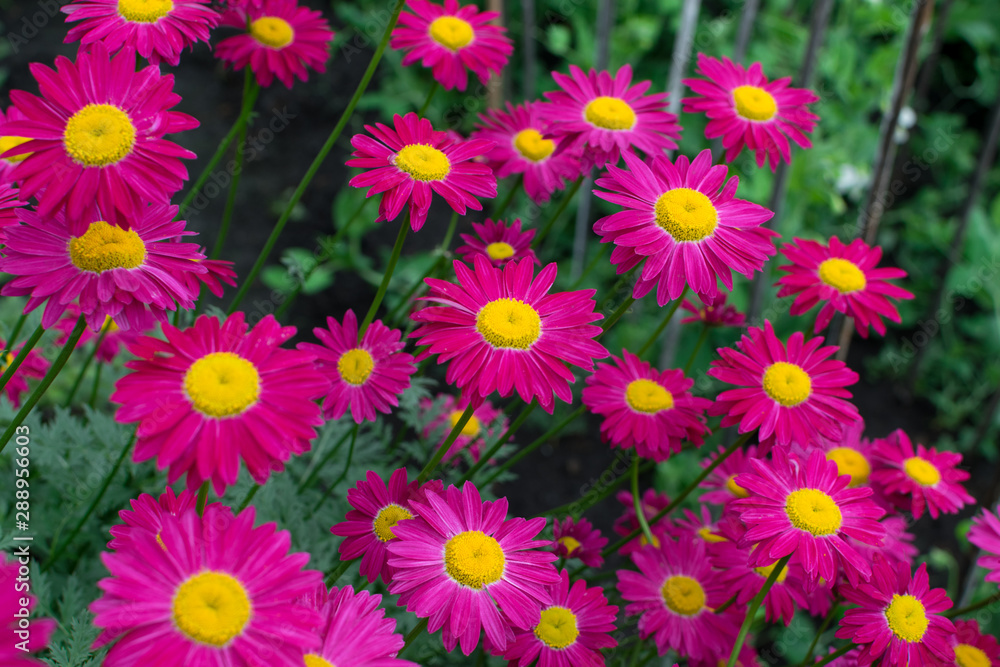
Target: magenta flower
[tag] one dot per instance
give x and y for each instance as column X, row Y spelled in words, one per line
column 115, row 338
column 33, row 366
column 216, row 273
column 973, row 648
column 498, row 242
column 985, row 534
column 716, row 314
column 147, row 513
column 14, row 653
column 851, row 452
column 578, row 539
column 473, row 436
column 8, row 141
column 722, row 480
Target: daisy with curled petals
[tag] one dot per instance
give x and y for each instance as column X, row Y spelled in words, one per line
column 650, row 410
column 572, row 631
column 746, row 110
column 920, row 478
column 716, row 314
column 157, row 29
column 603, row 117
column 8, row 141
column 14, row 653
column 284, row 40
column 973, row 648
column 410, row 162
column 985, row 534
column 499, row 242
column 722, row 480
column 367, row 377
column 147, row 513
column 805, row 508
column 33, row 366
column 845, row 278
column 578, row 539
column 207, row 591
column 97, row 137
column 111, row 339
column 473, row 435
column 898, row 617
column 852, row 453
column 676, row 594
column 131, row 275
column 793, row 393
column 523, row 148
column 215, row 393
column 683, row 225
column 451, row 39
column 502, row 330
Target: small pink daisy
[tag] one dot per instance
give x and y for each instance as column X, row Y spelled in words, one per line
column 973, row 648
column 806, row 508
column 450, row 40
column 717, row 314
column 985, row 534
column 682, row 225
column 900, row 615
column 745, row 110
column 207, row 591
column 701, row 525
column 722, row 480
column 473, row 436
column 603, row 117
column 33, row 366
column 97, row 137
column 157, row 29
column 410, row 162
column 467, row 568
column 131, row 275
column 918, row 479
column 8, row 141
column 367, row 377
column 523, row 148
column 793, row 393
column 578, row 539
column 284, row 40
column 852, row 453
column 626, row 524
column 498, row 242
column 147, row 513
column 845, row 279
column 216, row 393
column 15, row 629
column 115, row 338
column 572, row 631
column 501, row 329
column 652, row 411
column 676, row 593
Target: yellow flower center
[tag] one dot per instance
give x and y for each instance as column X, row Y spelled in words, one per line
column 735, row 488
column 474, row 559
column 98, row 135
column 313, row 660
column 355, row 366
column 211, row 608
column 159, row 540
column 144, row 11
column 647, row 396
column 109, row 325
column 104, row 247
column 532, row 146
column 768, row 569
column 907, row 617
column 850, row 462
column 754, row 103
column 787, row 384
column 686, row 214
column 500, row 250
column 683, row 595
column 423, row 162
column 509, row 323
column 471, row 427
column 557, row 629
column 387, row 519
column 609, row 113
column 272, row 31
column 222, row 384
column 967, row 655
column 842, row 275
column 571, row 544
column 644, row 541
column 6, row 362
column 452, row 32
column 6, row 143
column 813, row 511
column 921, row 471
column 706, row 534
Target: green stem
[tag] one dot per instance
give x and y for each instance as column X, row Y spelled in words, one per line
column 83, row 369
column 202, row 498
column 502, row 207
column 446, row 445
column 833, row 656
column 819, row 633
column 702, row 337
column 314, row 473
column 430, row 96
column 509, row 463
column 343, row 474
column 952, row 613
column 442, row 253
column 250, row 494
column 386, row 277
column 414, row 633
column 580, row 508
column 338, row 237
column 663, row 325
column 593, row 264
column 484, row 459
column 544, row 231
column 726, row 605
column 92, row 401
column 318, row 161
column 25, row 349
column 640, row 514
column 15, row 332
column 334, row 576
column 754, row 606
column 249, row 83
column 615, row 316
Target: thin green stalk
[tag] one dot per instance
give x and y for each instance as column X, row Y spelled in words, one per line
column 92, row 401
column 754, row 606
column 343, row 474
column 250, row 494
column 442, row 253
column 318, row 160
column 332, row 578
column 414, row 633
column 502, row 207
column 397, row 249
column 446, row 445
column 12, row 338
column 512, row 461
column 83, row 370
column 511, row 430
column 318, row 467
column 430, row 96
column 836, row 654
column 726, row 605
column 593, row 264
column 202, row 498
column 663, row 325
column 21, row 355
column 702, row 337
column 640, row 514
column 544, row 231
column 819, row 633
column 615, row 316
column 581, row 507
column 952, row 613
column 249, row 83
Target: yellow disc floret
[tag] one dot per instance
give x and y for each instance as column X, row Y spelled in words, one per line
column 533, row 146
column 474, row 559
column 451, row 32
column 851, row 462
column 842, row 275
column 647, row 396
column 272, row 31
column 683, row 595
column 706, row 534
column 98, row 135
column 907, row 617
column 686, row 214
column 500, row 250
column 967, row 655
column 754, row 103
column 557, row 628
column 609, row 113
column 222, row 384
column 813, row 511
column 386, row 520
column 104, row 247
column 212, row 608
column 313, row 660
column 571, row 544
column 735, row 488
column 6, row 143
column 422, row 162
column 144, row 11
column 787, row 384
column 509, row 323
column 921, row 471
column 471, row 428
column 354, row 366
column 768, row 569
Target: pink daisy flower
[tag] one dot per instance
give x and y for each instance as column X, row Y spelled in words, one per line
column 745, row 110
column 115, row 338
column 792, row 393
column 216, row 393
column 473, row 436
column 578, row 539
column 845, row 279
column 897, row 545
column 15, row 629
column 676, row 593
column 284, row 40
column 898, row 614
column 650, row 410
column 158, row 30
column 805, row 508
column 97, row 137
column 367, row 377
column 8, row 141
column 682, row 225
column 985, row 534
column 130, row 275
column 701, row 525
column 501, row 329
column 718, row 314
column 722, row 480
column 917, row 479
column 33, row 366
column 412, row 161
column 626, row 524
column 147, row 513
column 852, row 453
column 467, row 568
column 498, row 242
column 451, row 39
column 572, row 630
column 603, row 117
column 207, row 591
column 523, row 148
column 973, row 648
